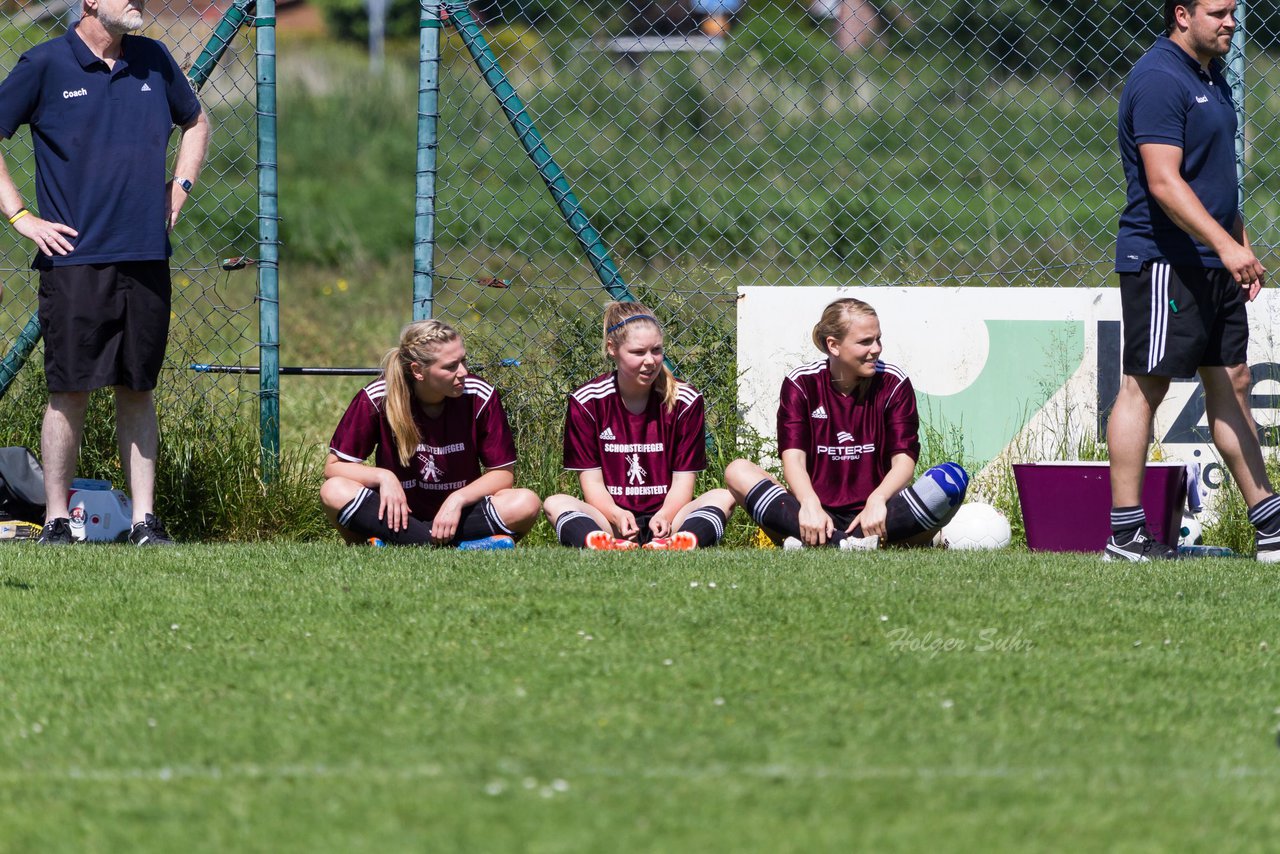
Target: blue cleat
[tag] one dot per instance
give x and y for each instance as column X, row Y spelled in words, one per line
column 498, row 542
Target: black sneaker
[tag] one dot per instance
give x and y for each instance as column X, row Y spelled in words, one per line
column 56, row 532
column 1268, row 546
column 149, row 532
column 1141, row 548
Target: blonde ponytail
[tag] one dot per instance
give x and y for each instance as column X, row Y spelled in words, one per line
column 419, row 342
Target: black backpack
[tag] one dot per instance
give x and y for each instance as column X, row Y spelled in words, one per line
column 21, row 486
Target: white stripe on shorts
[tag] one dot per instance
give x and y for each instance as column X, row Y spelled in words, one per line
column 1159, row 326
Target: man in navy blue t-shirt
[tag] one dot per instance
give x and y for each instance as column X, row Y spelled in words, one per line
column 101, row 105
column 1186, row 269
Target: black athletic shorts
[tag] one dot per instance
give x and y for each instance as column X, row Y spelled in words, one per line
column 1179, row 319
column 104, row 324
column 840, row 518
column 645, row 534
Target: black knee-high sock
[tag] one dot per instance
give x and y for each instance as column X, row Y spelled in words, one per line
column 1265, row 515
column 707, row 524
column 902, row 518
column 361, row 516
column 572, row 527
column 774, row 508
column 925, row 505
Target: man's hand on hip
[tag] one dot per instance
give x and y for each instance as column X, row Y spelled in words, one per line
column 49, row 237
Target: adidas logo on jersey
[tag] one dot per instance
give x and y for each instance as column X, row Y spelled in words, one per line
column 820, row 412
column 146, row 88
column 844, row 436
column 607, row 435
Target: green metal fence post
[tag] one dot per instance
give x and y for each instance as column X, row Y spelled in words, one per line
column 570, row 208
column 424, row 223
column 268, row 244
column 1235, row 65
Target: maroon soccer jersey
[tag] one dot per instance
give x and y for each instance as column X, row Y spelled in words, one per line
column 848, row 440
column 471, row 432
column 636, row 454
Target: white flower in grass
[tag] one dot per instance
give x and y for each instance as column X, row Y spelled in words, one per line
column 560, row 785
column 884, row 618
column 711, row 584
column 174, row 627
column 719, row 701
column 693, row 584
column 529, row 783
column 666, row 662
column 948, row 704
column 494, row 788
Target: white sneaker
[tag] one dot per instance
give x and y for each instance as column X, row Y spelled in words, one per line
column 792, row 544
column 860, row 544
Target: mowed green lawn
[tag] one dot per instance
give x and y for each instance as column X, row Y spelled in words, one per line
column 324, row 698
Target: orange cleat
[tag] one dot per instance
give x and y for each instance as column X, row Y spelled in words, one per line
column 683, row 541
column 680, row 541
column 600, row 541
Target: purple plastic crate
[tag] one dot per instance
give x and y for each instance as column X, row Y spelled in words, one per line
column 1066, row 506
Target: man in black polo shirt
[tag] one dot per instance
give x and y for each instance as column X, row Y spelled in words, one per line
column 101, row 105
column 1186, row 269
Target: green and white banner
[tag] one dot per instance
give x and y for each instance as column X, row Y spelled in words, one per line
column 1026, row 372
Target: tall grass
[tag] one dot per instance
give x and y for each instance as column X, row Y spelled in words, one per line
column 208, row 481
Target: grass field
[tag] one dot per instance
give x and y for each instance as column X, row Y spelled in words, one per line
column 321, row 698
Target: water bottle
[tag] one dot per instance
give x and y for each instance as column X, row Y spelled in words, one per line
column 1204, row 551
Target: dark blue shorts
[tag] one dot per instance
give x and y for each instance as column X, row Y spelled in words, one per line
column 1180, row 319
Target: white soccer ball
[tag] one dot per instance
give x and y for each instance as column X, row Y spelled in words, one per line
column 975, row 527
column 1192, row 532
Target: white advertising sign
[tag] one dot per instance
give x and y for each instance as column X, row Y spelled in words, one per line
column 1028, row 371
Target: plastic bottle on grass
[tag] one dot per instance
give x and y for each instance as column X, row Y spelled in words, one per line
column 1204, row 551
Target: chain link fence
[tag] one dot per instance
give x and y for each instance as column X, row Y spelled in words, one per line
column 843, row 143
column 712, row 144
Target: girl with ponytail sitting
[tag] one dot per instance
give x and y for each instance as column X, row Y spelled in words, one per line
column 443, row 455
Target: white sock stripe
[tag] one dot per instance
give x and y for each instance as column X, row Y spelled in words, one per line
column 1129, row 516
column 567, row 517
column 772, row 494
column 353, row 505
column 1264, row 509
column 711, row 516
column 922, row 514
column 495, row 520
column 1268, row 541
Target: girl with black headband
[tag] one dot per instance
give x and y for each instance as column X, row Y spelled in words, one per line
column 636, row 437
